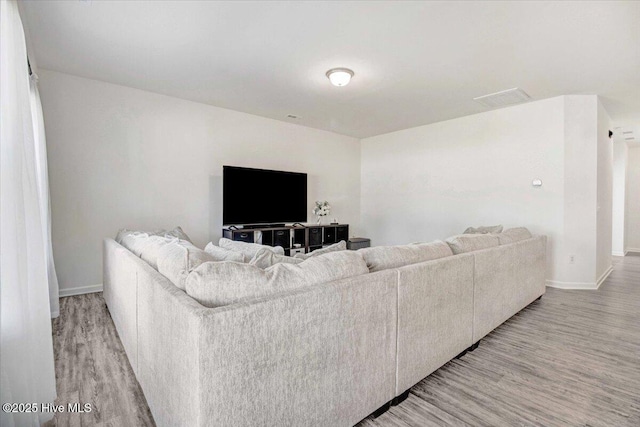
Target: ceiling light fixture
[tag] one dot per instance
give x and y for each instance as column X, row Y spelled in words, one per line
column 339, row 76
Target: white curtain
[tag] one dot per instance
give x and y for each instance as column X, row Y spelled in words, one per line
column 26, row 359
column 42, row 179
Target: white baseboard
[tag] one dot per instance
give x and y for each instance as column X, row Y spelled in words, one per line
column 580, row 285
column 635, row 250
column 618, row 253
column 604, row 276
column 80, row 290
column 571, row 285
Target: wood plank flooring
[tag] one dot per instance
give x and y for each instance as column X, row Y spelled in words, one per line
column 571, row 359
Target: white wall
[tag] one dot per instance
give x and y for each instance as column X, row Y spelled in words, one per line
column 121, row 157
column 434, row 181
column 633, row 200
column 605, row 194
column 581, row 193
column 619, row 200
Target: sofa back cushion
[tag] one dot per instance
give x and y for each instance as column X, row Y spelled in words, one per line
column 177, row 259
column 484, row 229
column 340, row 246
column 384, row 257
column 512, row 235
column 215, row 284
column 463, row 243
column 265, row 258
column 248, row 249
column 222, row 254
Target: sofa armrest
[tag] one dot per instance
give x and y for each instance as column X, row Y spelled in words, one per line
column 169, row 322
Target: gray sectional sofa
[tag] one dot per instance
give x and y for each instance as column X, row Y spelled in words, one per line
column 327, row 354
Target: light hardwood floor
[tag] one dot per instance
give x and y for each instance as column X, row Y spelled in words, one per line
column 571, row 359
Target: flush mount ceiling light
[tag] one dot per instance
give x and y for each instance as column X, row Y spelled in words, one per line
column 340, row 76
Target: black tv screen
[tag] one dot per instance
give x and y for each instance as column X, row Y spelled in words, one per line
column 260, row 196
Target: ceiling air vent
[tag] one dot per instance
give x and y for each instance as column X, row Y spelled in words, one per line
column 503, row 98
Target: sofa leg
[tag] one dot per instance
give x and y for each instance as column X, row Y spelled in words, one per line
column 399, row 399
column 381, row 410
column 468, row 349
column 465, row 351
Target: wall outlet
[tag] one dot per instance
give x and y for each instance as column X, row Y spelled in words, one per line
column 572, row 259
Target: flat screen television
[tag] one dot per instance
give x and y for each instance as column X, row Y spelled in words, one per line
column 260, row 196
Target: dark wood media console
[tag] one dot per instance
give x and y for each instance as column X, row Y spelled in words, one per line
column 307, row 237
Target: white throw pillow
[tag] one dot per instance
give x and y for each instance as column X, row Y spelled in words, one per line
column 385, row 257
column 135, row 241
column 176, row 232
column 176, row 260
column 340, row 246
column 222, row 254
column 463, row 243
column 265, row 258
column 512, row 235
column 215, row 284
column 484, row 229
column 150, row 249
column 248, row 249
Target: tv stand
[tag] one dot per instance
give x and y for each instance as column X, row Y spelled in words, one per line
column 260, row 226
column 308, row 237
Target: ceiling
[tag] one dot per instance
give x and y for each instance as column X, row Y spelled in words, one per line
column 415, row 63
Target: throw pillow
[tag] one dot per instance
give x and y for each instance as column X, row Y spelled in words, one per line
column 176, row 232
column 150, row 248
column 176, row 260
column 134, row 241
column 463, row 243
column 222, row 254
column 265, row 258
column 384, row 257
column 512, row 235
column 484, row 229
column 340, row 246
column 248, row 249
column 214, row 284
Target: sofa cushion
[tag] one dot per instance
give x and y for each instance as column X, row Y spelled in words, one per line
column 248, row 249
column 340, row 246
column 484, row 229
column 512, row 235
column 471, row 242
column 222, row 254
column 384, row 257
column 177, row 259
column 215, row 284
column 265, row 258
